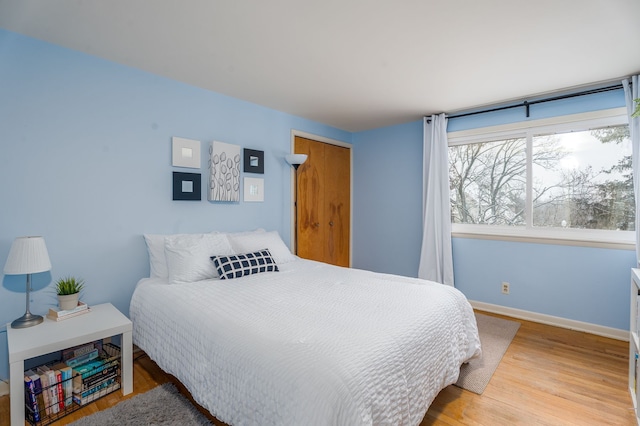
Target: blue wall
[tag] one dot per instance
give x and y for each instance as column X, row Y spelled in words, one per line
column 85, row 161
column 387, row 182
column 577, row 283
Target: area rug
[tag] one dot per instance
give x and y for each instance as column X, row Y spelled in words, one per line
column 162, row 405
column 496, row 335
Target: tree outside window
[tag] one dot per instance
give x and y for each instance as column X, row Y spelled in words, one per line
column 579, row 180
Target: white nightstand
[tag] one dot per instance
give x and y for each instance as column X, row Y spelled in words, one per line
column 103, row 321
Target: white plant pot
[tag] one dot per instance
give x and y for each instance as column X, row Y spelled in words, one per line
column 68, row 301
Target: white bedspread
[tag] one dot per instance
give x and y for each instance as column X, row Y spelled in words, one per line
column 312, row 344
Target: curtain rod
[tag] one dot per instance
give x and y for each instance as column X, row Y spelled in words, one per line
column 527, row 104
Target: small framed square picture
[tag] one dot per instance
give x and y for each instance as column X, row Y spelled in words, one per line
column 187, row 186
column 253, row 189
column 253, row 161
column 185, row 153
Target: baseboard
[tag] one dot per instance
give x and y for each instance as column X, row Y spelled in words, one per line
column 4, row 388
column 586, row 327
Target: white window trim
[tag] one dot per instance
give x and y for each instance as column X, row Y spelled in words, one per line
column 526, row 129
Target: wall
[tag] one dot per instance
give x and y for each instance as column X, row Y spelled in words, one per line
column 577, row 283
column 85, row 161
column 387, row 182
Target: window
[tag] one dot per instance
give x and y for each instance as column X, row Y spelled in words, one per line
column 566, row 180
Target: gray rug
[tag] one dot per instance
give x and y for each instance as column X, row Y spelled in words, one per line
column 162, row 405
column 496, row 335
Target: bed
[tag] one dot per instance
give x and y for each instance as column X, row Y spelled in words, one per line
column 310, row 343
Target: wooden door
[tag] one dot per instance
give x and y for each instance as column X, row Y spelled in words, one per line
column 323, row 202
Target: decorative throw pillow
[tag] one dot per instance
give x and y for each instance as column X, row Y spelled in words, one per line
column 259, row 241
column 188, row 256
column 238, row 265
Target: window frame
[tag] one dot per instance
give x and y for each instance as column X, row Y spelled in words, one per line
column 530, row 233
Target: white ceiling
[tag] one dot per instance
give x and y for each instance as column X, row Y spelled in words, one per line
column 352, row 64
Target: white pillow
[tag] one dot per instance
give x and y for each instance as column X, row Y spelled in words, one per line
column 189, row 256
column 247, row 243
column 157, row 259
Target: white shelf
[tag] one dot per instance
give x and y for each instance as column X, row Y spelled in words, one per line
column 50, row 336
column 634, row 340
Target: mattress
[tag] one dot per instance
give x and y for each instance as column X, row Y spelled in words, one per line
column 312, row 344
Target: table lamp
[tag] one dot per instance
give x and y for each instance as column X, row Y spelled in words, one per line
column 28, row 255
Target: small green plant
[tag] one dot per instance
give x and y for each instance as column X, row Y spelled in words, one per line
column 69, row 285
column 636, row 113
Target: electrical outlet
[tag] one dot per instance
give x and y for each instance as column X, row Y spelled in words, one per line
column 505, row 288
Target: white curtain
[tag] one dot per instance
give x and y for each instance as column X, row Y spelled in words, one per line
column 631, row 92
column 436, row 258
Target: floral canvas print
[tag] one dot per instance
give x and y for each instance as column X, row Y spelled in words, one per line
column 224, row 183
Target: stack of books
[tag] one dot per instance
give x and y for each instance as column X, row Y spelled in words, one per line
column 84, row 374
column 56, row 314
column 48, row 391
column 97, row 376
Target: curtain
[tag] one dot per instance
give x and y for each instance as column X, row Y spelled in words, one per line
column 631, row 92
column 436, row 258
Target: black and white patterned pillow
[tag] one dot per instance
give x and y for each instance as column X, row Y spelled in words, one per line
column 238, row 265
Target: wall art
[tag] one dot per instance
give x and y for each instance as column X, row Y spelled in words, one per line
column 185, row 153
column 253, row 189
column 187, row 186
column 253, row 161
column 224, row 165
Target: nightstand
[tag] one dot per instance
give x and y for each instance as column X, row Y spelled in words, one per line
column 103, row 321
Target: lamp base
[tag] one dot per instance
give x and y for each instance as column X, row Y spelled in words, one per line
column 27, row 320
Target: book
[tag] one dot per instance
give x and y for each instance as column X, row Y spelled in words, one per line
column 60, row 391
column 82, row 372
column 88, row 382
column 77, row 351
column 46, row 396
column 30, row 399
column 67, row 384
column 53, row 391
column 108, row 386
column 49, row 388
column 82, row 359
column 62, row 318
column 57, row 312
column 37, row 384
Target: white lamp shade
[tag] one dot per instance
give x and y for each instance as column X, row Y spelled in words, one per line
column 28, row 255
column 296, row 159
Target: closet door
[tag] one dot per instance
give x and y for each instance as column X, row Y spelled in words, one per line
column 323, row 202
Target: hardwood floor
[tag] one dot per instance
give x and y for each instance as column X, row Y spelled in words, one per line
column 548, row 376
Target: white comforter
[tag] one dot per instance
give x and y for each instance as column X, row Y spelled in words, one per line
column 312, row 344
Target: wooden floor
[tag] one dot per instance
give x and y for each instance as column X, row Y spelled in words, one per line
column 548, row 376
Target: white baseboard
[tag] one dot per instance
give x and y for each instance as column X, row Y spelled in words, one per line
column 586, row 327
column 4, row 388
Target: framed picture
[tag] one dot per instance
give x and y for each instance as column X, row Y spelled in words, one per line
column 253, row 189
column 185, row 153
column 187, row 186
column 224, row 181
column 253, row 161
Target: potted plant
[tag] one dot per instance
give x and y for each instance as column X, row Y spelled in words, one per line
column 68, row 290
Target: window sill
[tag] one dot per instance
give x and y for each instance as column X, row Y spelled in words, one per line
column 621, row 240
